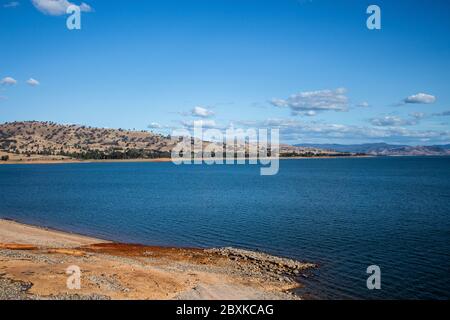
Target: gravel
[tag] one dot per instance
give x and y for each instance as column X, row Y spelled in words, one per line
column 18, row 290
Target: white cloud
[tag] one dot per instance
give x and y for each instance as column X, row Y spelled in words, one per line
column 201, row 112
column 33, row 82
column 205, row 124
column 85, row 7
column 57, row 7
column 154, row 125
column 11, row 4
column 320, row 100
column 418, row 115
column 8, row 81
column 391, row 121
column 420, row 98
column 296, row 131
column 363, row 104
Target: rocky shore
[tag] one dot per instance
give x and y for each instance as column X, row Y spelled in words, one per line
column 275, row 268
column 33, row 263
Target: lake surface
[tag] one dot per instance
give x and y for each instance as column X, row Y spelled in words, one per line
column 344, row 214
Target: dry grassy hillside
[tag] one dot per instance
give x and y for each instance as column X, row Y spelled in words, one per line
column 50, row 141
column 48, row 138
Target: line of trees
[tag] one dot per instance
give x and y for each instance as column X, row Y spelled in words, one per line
column 312, row 154
column 116, row 155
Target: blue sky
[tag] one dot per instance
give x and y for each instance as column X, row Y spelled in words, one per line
column 310, row 68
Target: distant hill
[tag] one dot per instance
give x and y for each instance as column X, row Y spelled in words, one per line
column 49, row 140
column 384, row 149
column 77, row 141
column 358, row 148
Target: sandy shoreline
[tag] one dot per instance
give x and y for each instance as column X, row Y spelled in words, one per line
column 33, row 264
column 18, row 233
column 66, row 161
column 83, row 161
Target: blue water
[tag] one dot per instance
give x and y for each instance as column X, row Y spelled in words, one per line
column 344, row 214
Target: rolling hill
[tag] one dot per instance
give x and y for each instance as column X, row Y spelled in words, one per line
column 384, row 149
column 22, row 140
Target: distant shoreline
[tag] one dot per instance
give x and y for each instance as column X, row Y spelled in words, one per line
column 67, row 161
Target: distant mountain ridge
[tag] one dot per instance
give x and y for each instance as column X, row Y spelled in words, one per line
column 384, row 149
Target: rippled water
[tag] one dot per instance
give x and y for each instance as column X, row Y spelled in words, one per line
column 344, row 214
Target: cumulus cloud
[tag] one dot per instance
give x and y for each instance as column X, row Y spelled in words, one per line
column 33, row 82
column 201, row 112
column 418, row 115
column 85, row 7
column 8, row 81
column 154, row 125
column 11, row 4
column 391, row 121
column 363, row 104
column 205, row 124
column 420, row 98
column 294, row 130
column 320, row 100
column 57, row 7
